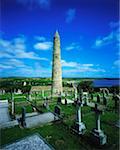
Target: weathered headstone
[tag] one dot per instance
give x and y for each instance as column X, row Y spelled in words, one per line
column 97, row 134
column 65, row 101
column 59, row 99
column 91, row 96
column 98, row 98
column 116, row 99
column 104, row 100
column 79, row 126
column 29, row 96
column 43, row 93
column 13, row 104
column 57, row 110
column 23, row 123
column 84, row 97
column 45, row 104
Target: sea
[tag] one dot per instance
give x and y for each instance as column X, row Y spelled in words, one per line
column 106, row 82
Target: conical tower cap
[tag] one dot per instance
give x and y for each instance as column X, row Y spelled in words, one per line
column 57, row 34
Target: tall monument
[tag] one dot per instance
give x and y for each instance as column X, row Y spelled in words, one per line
column 56, row 67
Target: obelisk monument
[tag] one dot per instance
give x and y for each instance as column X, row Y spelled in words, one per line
column 56, row 67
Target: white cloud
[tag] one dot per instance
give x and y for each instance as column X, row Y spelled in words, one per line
column 77, row 67
column 43, row 45
column 69, row 64
column 73, row 46
column 17, row 48
column 12, row 63
column 5, row 66
column 40, row 38
column 117, row 63
column 70, row 15
column 112, row 38
column 36, row 71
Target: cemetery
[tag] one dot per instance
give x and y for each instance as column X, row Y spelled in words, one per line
column 75, row 119
column 56, row 113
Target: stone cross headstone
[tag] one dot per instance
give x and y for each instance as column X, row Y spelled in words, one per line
column 13, row 104
column 23, row 123
column 45, row 104
column 104, row 100
column 59, row 99
column 98, row 98
column 91, row 96
column 43, row 93
column 99, row 136
column 81, row 95
column 29, row 96
column 116, row 98
column 65, row 101
column 57, row 110
column 79, row 127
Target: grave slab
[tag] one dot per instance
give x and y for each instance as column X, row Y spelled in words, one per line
column 34, row 142
column 4, row 113
column 40, row 119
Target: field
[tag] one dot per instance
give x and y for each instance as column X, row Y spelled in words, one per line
column 59, row 134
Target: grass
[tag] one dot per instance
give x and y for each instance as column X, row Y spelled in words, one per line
column 55, row 134
column 60, row 137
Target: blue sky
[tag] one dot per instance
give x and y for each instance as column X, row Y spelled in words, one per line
column 89, row 31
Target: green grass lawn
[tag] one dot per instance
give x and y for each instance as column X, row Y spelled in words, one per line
column 18, row 109
column 61, row 138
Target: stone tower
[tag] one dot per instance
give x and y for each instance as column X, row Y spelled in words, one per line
column 56, row 67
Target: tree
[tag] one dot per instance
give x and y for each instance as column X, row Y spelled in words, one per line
column 85, row 85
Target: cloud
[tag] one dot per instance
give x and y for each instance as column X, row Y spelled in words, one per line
column 36, row 71
column 34, row 3
column 77, row 67
column 69, row 64
column 70, row 15
column 11, row 63
column 117, row 63
column 43, row 45
column 73, row 46
column 17, row 48
column 111, row 38
column 40, row 38
column 5, row 66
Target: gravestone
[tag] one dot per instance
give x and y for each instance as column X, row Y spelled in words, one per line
column 59, row 99
column 57, row 110
column 45, row 104
column 29, row 97
column 84, row 98
column 116, row 99
column 98, row 98
column 79, row 126
column 91, row 96
column 13, row 104
column 23, row 123
column 43, row 93
column 81, row 95
column 75, row 90
column 104, row 100
column 97, row 134
column 65, row 101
